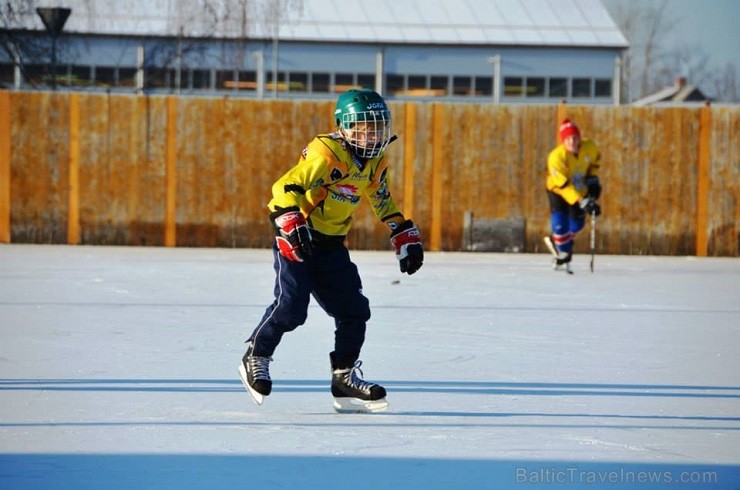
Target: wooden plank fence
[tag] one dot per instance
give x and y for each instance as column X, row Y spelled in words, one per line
column 83, row 168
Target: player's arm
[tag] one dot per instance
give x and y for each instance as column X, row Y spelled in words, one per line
column 558, row 180
column 593, row 184
column 293, row 200
column 405, row 236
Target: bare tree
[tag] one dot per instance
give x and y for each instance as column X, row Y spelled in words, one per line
column 687, row 62
column 236, row 23
column 646, row 29
column 726, row 84
column 651, row 62
column 16, row 18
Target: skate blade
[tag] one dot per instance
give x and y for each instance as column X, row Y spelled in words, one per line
column 355, row 405
column 257, row 397
column 559, row 268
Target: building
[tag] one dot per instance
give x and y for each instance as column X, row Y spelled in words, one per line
column 680, row 92
column 506, row 51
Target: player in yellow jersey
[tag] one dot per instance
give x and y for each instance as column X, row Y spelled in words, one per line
column 312, row 207
column 573, row 187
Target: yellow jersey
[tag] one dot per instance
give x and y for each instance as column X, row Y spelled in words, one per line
column 567, row 173
column 328, row 182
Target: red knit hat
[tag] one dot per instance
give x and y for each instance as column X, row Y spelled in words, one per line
column 568, row 128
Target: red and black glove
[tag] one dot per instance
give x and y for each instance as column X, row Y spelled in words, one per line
column 294, row 237
column 406, row 239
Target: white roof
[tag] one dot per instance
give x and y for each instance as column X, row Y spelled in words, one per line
column 579, row 23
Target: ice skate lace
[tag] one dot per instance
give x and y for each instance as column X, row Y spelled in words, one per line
column 259, row 367
column 355, row 381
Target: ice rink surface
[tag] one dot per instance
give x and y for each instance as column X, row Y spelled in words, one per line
column 118, row 369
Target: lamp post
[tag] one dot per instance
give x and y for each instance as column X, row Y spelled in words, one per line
column 54, row 20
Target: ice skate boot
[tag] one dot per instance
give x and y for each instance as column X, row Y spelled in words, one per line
column 562, row 265
column 254, row 372
column 352, row 394
column 561, row 260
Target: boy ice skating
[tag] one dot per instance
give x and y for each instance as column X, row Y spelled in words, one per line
column 572, row 187
column 311, row 209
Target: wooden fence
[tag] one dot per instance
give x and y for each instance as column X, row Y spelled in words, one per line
column 85, row 168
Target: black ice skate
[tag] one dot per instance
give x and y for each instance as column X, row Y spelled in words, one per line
column 255, row 375
column 352, row 394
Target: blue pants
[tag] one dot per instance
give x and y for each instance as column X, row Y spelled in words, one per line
column 334, row 282
column 566, row 221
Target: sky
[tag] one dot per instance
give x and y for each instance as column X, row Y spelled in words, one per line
column 708, row 25
column 118, row 370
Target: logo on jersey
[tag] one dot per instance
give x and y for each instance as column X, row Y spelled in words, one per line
column 346, row 192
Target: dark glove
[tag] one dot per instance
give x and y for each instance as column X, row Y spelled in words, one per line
column 294, row 237
column 589, row 206
column 594, row 187
column 406, row 239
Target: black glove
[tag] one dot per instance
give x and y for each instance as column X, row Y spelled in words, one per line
column 594, row 187
column 294, row 237
column 406, row 239
column 589, row 206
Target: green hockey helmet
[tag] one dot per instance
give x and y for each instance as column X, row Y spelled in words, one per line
column 364, row 121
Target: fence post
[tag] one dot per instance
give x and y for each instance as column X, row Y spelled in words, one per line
column 702, row 191
column 73, row 198
column 435, row 239
column 409, row 157
column 4, row 166
column 170, row 231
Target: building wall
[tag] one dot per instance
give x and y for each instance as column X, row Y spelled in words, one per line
column 88, row 62
column 196, row 171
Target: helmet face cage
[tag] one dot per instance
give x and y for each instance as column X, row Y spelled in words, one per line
column 364, row 121
column 367, row 132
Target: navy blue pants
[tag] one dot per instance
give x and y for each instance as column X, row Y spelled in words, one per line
column 566, row 221
column 332, row 279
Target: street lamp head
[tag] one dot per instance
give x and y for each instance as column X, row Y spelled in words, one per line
column 54, row 19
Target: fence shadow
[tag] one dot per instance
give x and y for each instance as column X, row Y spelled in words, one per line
column 190, row 471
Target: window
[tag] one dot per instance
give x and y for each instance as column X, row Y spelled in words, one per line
column 104, row 75
column 513, row 86
column 602, row 87
column 127, row 77
column 320, row 82
column 535, row 87
column 201, row 79
column 298, row 82
column 393, row 84
column 366, row 80
column 417, row 85
column 225, row 79
column 439, row 85
column 239, row 80
column 581, row 87
column 280, row 84
column 7, row 74
column 36, row 74
column 483, row 86
column 557, row 87
column 462, row 85
column 343, row 81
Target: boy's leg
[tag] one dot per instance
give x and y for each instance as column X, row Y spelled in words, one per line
column 289, row 310
column 293, row 285
column 338, row 290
